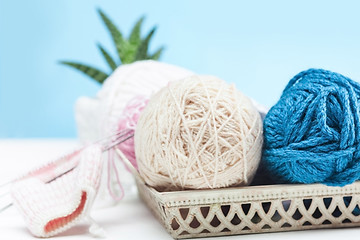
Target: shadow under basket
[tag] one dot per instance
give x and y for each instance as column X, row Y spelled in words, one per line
column 253, row 209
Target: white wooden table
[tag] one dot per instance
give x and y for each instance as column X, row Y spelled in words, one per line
column 129, row 219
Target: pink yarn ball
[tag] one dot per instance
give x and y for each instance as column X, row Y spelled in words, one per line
column 128, row 120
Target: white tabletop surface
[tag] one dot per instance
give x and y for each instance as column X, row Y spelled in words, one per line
column 129, row 219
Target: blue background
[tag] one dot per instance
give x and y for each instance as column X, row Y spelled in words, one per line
column 259, row 45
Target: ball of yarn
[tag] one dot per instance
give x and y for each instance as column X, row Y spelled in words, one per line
column 312, row 134
column 128, row 121
column 198, row 133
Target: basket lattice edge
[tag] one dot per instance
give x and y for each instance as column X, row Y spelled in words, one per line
column 253, row 209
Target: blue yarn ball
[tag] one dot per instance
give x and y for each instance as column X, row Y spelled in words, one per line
column 312, row 134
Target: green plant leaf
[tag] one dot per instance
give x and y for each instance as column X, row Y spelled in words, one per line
column 144, row 46
column 107, row 57
column 135, row 38
column 129, row 54
column 115, row 34
column 128, row 50
column 92, row 72
column 157, row 54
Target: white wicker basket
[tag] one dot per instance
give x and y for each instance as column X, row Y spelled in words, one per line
column 253, row 209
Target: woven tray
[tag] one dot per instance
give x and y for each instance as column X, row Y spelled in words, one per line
column 253, row 209
column 276, row 208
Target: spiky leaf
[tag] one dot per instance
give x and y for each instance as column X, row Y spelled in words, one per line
column 107, row 57
column 116, row 35
column 129, row 53
column 135, row 38
column 157, row 54
column 92, row 72
column 128, row 49
column 144, row 46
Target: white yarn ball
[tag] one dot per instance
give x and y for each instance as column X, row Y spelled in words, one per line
column 198, row 133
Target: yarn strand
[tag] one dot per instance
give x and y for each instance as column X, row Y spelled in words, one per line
column 191, row 142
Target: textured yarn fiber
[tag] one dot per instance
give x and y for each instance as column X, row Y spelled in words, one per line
column 198, row 133
column 128, row 121
column 312, row 134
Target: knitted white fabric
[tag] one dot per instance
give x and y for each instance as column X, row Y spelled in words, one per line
column 98, row 117
column 51, row 208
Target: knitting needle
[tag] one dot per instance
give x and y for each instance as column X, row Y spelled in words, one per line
column 6, row 201
column 5, row 198
column 117, row 143
column 6, row 207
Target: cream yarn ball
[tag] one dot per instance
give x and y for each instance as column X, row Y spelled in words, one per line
column 198, row 133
